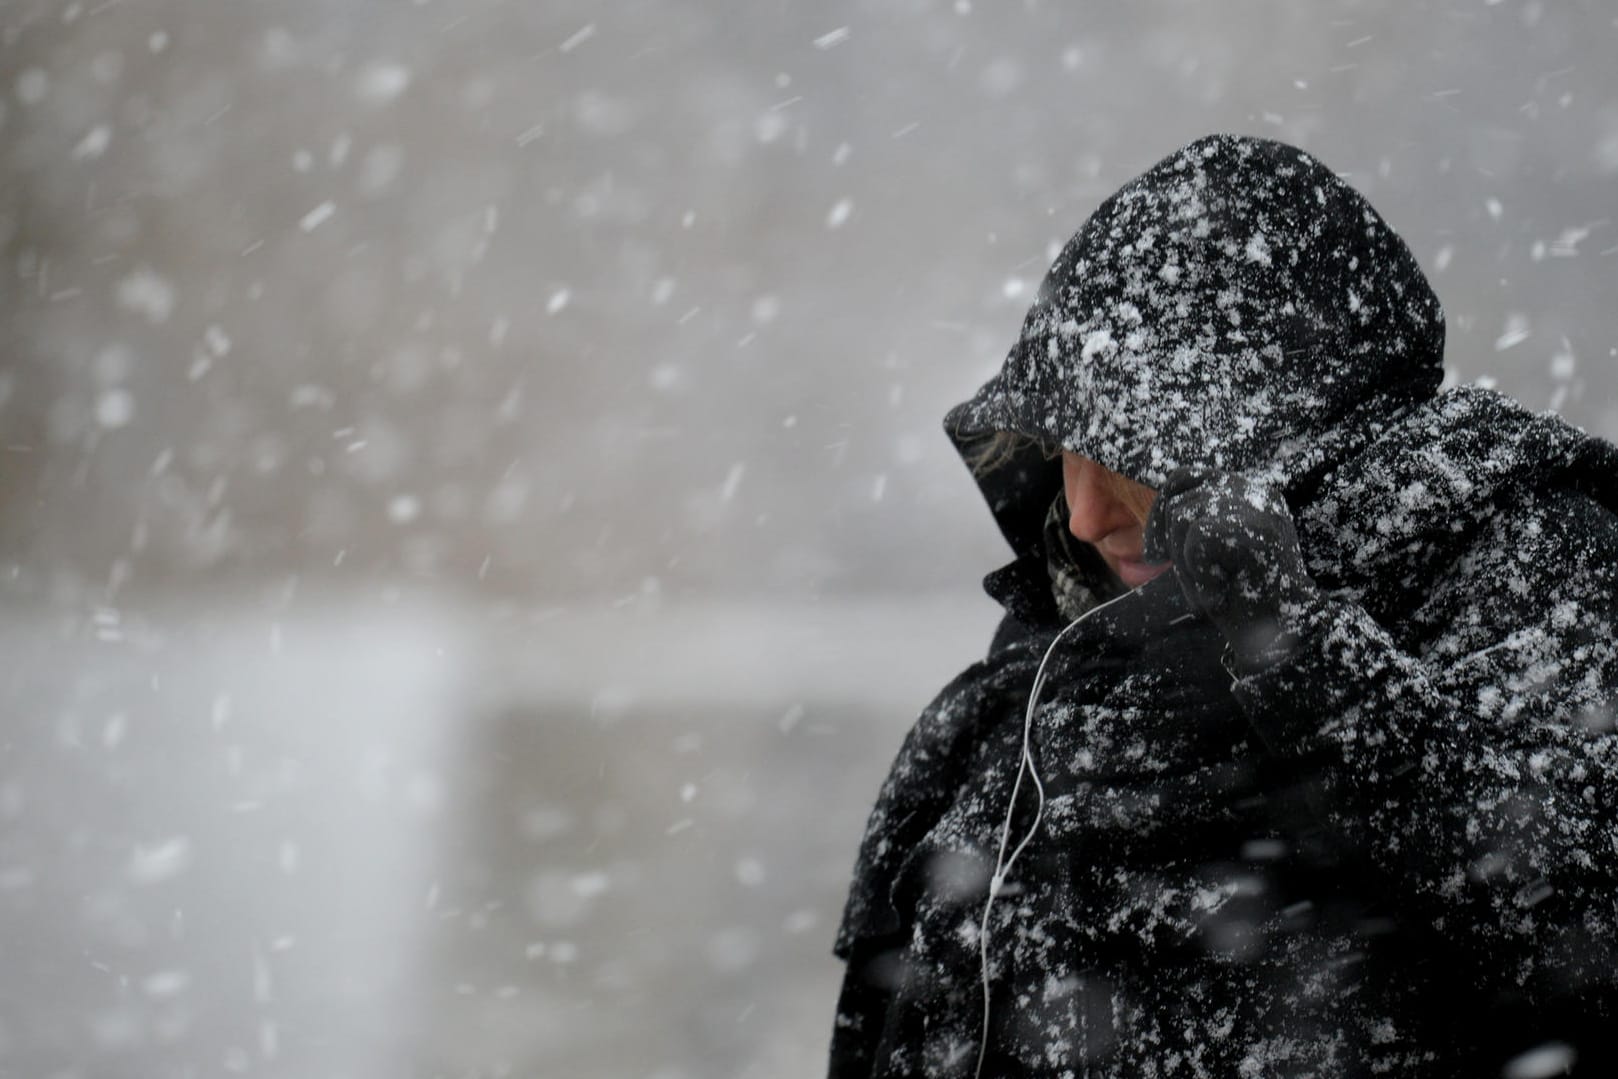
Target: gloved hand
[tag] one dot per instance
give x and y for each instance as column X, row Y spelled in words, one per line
column 1236, row 555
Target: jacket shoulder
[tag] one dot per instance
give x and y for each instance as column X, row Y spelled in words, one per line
column 1544, row 565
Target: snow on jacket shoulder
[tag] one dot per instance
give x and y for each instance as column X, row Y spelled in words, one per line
column 1479, row 770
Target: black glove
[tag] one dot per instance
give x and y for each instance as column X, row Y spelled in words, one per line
column 1235, row 552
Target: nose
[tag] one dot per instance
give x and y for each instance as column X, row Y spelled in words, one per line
column 1094, row 512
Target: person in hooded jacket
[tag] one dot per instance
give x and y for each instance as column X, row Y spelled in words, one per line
column 1294, row 752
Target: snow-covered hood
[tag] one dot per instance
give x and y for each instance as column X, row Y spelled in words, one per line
column 1225, row 309
column 1238, row 307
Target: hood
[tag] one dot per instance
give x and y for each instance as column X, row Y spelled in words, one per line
column 1236, row 307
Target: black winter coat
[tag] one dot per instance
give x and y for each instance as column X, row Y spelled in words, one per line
column 1391, row 851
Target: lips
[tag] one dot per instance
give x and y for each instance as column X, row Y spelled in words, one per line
column 1122, row 552
column 1135, row 573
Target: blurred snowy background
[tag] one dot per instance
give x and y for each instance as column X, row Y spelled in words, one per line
column 476, row 525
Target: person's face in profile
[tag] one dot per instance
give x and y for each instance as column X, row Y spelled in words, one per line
column 1108, row 511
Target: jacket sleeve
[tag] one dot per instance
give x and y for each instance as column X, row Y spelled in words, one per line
column 1482, row 776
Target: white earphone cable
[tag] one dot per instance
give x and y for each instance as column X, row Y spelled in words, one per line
column 1003, row 864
